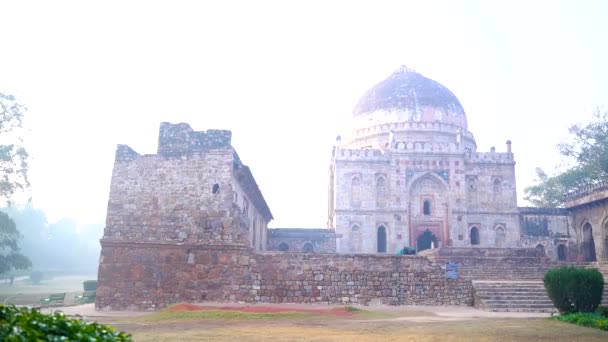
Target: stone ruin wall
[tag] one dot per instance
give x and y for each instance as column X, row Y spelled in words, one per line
column 549, row 228
column 152, row 276
column 167, row 199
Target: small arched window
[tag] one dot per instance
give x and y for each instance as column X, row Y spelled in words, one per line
column 426, row 207
column 474, row 236
column 381, row 239
column 283, row 247
column 561, row 253
column 380, row 191
column 500, row 237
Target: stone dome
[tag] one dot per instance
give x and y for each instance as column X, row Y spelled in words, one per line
column 408, row 96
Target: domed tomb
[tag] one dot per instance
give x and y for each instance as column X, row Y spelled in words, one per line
column 415, row 108
column 409, row 96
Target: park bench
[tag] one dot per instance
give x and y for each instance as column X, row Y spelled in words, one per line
column 54, row 299
column 86, row 297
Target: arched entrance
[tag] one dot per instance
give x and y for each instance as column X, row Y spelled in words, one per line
column 381, row 238
column 540, row 250
column 561, row 253
column 283, row 247
column 474, row 235
column 307, row 248
column 426, row 240
column 588, row 243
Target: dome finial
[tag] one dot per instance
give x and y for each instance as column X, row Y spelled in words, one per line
column 403, row 69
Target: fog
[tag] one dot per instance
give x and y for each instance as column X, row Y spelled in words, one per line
column 58, row 247
column 284, row 77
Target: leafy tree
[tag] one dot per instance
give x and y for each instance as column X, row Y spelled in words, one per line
column 13, row 177
column 13, row 156
column 588, row 148
column 10, row 258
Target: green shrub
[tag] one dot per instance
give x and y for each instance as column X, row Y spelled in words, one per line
column 602, row 310
column 574, row 289
column 22, row 324
column 36, row 277
column 585, row 319
column 90, row 285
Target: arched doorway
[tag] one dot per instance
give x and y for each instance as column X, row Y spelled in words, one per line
column 307, row 248
column 474, row 235
column 561, row 253
column 283, row 247
column 381, row 238
column 500, row 237
column 588, row 243
column 540, row 250
column 426, row 240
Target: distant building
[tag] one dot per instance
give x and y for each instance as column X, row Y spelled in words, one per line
column 409, row 174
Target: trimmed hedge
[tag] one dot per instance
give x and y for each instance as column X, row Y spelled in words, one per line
column 89, row 285
column 23, row 324
column 574, row 289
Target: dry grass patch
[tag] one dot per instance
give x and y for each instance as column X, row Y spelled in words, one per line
column 351, row 330
column 167, row 315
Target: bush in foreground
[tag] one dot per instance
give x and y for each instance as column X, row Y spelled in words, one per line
column 23, row 324
column 586, row 319
column 574, row 289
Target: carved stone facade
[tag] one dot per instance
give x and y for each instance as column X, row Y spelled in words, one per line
column 410, row 175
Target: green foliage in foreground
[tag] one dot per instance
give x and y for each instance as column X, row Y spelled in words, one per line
column 167, row 315
column 23, row 324
column 574, row 289
column 586, row 319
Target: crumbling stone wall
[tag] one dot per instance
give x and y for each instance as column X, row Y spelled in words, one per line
column 151, row 276
column 549, row 228
column 159, row 198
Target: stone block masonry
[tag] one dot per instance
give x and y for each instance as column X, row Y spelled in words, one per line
column 153, row 275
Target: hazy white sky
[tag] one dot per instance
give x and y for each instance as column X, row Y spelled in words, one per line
column 284, row 77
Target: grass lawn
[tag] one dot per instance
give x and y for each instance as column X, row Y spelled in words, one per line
column 23, row 292
column 367, row 325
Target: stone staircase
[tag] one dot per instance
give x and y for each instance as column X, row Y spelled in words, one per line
column 515, row 296
column 511, row 296
column 508, row 280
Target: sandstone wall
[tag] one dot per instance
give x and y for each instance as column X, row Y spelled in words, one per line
column 158, row 198
column 150, row 276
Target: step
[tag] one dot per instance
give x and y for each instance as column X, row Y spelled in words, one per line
column 512, row 297
column 518, row 302
column 536, row 309
column 511, row 293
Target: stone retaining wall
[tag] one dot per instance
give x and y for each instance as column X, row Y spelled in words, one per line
column 152, row 276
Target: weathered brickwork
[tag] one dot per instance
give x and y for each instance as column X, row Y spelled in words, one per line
column 195, row 189
column 150, row 276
